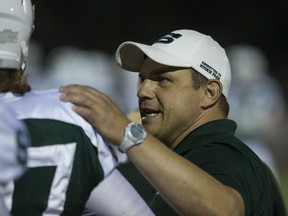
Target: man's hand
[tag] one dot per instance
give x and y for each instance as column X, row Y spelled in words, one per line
column 98, row 109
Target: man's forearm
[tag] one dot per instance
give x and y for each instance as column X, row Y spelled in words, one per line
column 188, row 189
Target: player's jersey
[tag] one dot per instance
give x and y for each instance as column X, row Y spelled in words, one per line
column 14, row 140
column 66, row 161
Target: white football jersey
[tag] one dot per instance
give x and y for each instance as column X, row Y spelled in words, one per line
column 66, row 160
column 71, row 169
column 14, row 140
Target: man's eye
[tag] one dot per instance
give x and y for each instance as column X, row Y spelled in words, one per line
column 162, row 80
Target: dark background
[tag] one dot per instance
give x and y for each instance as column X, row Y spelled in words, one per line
column 104, row 24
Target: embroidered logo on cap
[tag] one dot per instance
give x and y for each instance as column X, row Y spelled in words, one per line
column 210, row 70
column 169, row 38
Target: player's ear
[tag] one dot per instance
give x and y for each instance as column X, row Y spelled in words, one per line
column 212, row 93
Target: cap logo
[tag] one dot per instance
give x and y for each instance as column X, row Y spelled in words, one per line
column 169, row 38
column 8, row 36
column 210, row 70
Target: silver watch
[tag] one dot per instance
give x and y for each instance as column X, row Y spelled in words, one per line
column 134, row 134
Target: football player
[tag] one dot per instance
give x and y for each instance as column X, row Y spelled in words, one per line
column 69, row 163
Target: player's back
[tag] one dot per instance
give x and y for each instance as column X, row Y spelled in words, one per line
column 14, row 140
column 66, row 161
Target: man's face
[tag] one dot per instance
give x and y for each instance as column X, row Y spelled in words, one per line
column 169, row 105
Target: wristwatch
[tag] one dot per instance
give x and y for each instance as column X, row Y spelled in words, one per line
column 134, row 135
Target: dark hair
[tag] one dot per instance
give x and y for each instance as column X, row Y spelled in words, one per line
column 199, row 80
column 13, row 81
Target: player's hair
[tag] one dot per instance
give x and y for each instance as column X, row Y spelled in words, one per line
column 14, row 81
column 199, row 80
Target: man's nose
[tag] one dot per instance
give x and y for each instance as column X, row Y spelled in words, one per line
column 146, row 89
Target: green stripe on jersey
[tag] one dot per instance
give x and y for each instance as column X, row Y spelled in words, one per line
column 63, row 169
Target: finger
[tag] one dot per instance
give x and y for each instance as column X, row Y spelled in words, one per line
column 87, row 102
column 72, row 92
column 85, row 112
column 75, row 93
column 75, row 98
column 80, row 89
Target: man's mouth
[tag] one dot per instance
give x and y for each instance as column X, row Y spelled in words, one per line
column 148, row 113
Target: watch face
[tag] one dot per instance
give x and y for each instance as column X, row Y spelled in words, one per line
column 136, row 131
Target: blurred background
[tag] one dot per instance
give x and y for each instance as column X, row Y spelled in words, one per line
column 74, row 42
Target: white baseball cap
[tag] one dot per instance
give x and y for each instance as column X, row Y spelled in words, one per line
column 180, row 48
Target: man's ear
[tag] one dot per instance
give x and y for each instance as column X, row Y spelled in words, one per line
column 213, row 91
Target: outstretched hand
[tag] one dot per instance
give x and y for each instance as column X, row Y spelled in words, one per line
column 98, row 109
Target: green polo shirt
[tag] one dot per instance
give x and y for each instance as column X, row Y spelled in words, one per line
column 214, row 148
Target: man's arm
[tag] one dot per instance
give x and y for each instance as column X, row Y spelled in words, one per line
column 188, row 189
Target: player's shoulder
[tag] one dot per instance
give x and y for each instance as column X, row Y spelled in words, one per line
column 44, row 104
column 43, row 97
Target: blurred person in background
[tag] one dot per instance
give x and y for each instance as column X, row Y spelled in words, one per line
column 71, row 168
column 257, row 102
column 70, row 64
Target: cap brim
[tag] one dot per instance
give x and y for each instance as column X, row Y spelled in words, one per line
column 130, row 56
